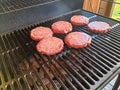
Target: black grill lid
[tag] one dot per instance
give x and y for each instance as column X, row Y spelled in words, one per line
column 7, row 6
column 30, row 15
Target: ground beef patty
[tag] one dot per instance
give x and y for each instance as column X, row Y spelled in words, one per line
column 77, row 40
column 50, row 46
column 99, row 27
column 41, row 32
column 79, row 20
column 61, row 27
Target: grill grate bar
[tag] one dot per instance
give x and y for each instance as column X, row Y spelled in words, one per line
column 86, row 84
column 99, row 65
column 49, row 77
column 102, row 58
column 36, row 74
column 65, row 78
column 21, row 40
column 14, row 62
column 90, row 80
column 73, row 78
column 97, row 72
column 95, row 77
column 22, row 68
column 115, row 25
column 28, row 80
column 113, row 38
column 61, row 82
column 10, row 43
column 7, row 43
column 15, row 41
column 103, row 61
column 71, row 85
column 115, row 33
column 112, row 44
column 110, row 49
column 41, row 85
column 100, row 62
column 3, row 44
column 8, row 67
column 47, row 74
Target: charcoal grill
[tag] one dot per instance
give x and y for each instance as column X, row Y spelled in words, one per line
column 23, row 68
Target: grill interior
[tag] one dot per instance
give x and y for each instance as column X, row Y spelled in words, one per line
column 13, row 5
column 22, row 67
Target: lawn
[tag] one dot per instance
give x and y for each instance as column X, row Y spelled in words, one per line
column 116, row 11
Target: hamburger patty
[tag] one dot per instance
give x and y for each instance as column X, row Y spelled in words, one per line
column 99, row 27
column 79, row 20
column 61, row 27
column 77, row 40
column 41, row 32
column 50, row 46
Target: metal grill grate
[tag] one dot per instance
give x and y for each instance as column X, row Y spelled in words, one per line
column 22, row 67
column 12, row 5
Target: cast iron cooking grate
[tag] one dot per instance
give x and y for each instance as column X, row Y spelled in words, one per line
column 22, row 67
column 13, row 5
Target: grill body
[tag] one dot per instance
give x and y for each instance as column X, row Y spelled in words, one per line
column 22, row 67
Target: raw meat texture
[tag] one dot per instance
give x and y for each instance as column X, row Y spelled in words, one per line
column 41, row 32
column 61, row 27
column 79, row 20
column 99, row 27
column 50, row 46
column 77, row 40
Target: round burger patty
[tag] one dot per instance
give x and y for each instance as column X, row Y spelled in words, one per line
column 77, row 39
column 79, row 20
column 61, row 27
column 41, row 32
column 99, row 27
column 50, row 46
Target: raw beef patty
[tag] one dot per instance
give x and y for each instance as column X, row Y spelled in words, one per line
column 61, row 27
column 99, row 27
column 50, row 46
column 79, row 20
column 77, row 40
column 41, row 32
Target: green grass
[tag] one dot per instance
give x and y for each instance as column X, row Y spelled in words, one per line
column 116, row 11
